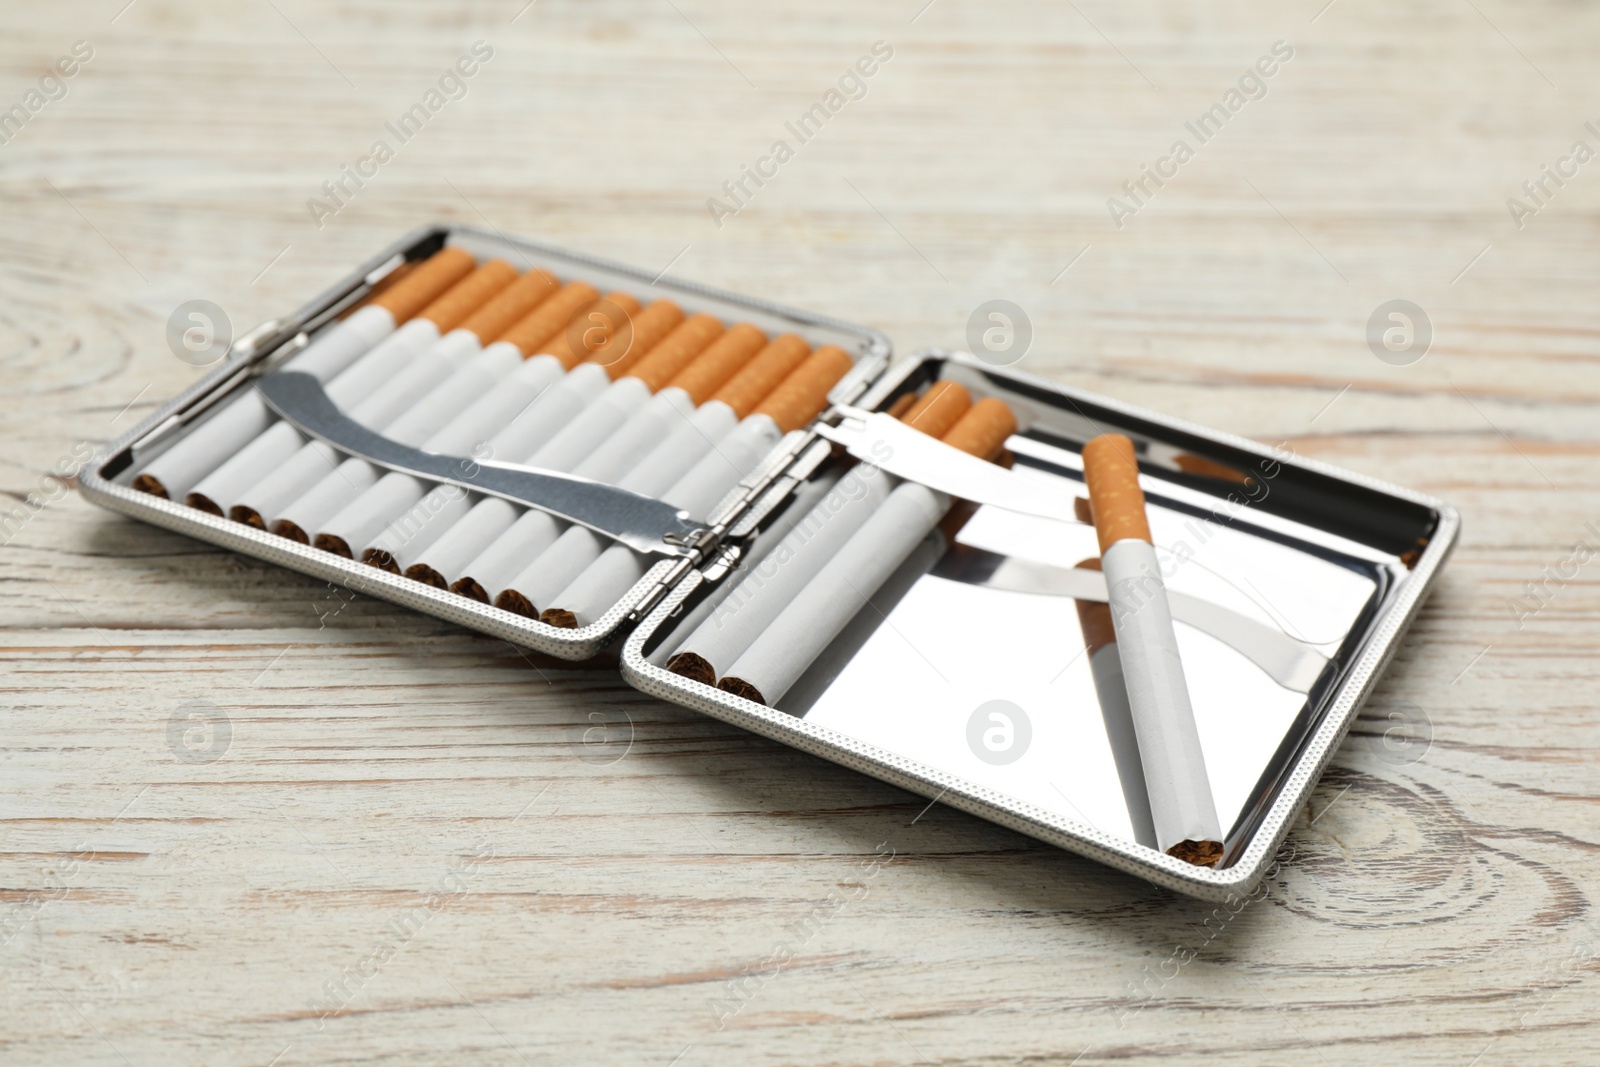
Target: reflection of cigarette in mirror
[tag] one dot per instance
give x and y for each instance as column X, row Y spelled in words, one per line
column 1181, row 805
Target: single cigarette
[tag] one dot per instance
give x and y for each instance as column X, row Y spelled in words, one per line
column 223, row 434
column 1181, row 805
column 527, row 534
column 805, row 626
column 644, row 433
column 1105, row 666
column 761, row 594
column 451, row 531
column 579, row 578
column 220, row 490
column 451, row 418
column 414, row 524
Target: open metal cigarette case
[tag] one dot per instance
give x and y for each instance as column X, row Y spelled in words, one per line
column 965, row 677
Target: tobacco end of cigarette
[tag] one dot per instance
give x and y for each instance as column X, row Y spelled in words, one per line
column 421, row 572
column 333, row 543
column 983, row 429
column 802, row 395
column 516, row 603
column 1094, row 617
column 377, row 557
column 693, row 667
column 147, row 484
column 424, row 282
column 1111, row 471
column 1082, row 511
column 741, row 688
column 286, row 529
column 1199, row 853
column 248, row 515
column 938, row 409
column 471, row 589
column 201, row 502
column 469, row 294
column 559, row 617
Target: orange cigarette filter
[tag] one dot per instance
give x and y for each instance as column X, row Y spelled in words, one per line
column 901, row 405
column 668, row 359
column 801, row 396
column 763, row 374
column 982, row 431
column 530, row 331
column 1111, row 472
column 511, row 304
column 637, row 338
column 588, row 330
column 1094, row 617
column 938, row 409
column 424, row 282
column 468, row 295
column 719, row 361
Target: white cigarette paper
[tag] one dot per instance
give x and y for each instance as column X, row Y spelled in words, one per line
column 598, row 588
column 1181, row 804
column 237, row 423
column 395, row 493
column 656, row 468
column 448, row 529
column 421, row 384
column 757, row 598
column 805, row 497
column 571, row 450
column 278, row 443
column 775, row 660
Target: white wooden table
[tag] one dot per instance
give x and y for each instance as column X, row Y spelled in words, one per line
column 253, row 896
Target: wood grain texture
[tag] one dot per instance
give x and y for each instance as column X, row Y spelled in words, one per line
column 613, row 878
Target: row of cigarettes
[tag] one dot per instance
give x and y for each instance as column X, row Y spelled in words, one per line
column 461, row 358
